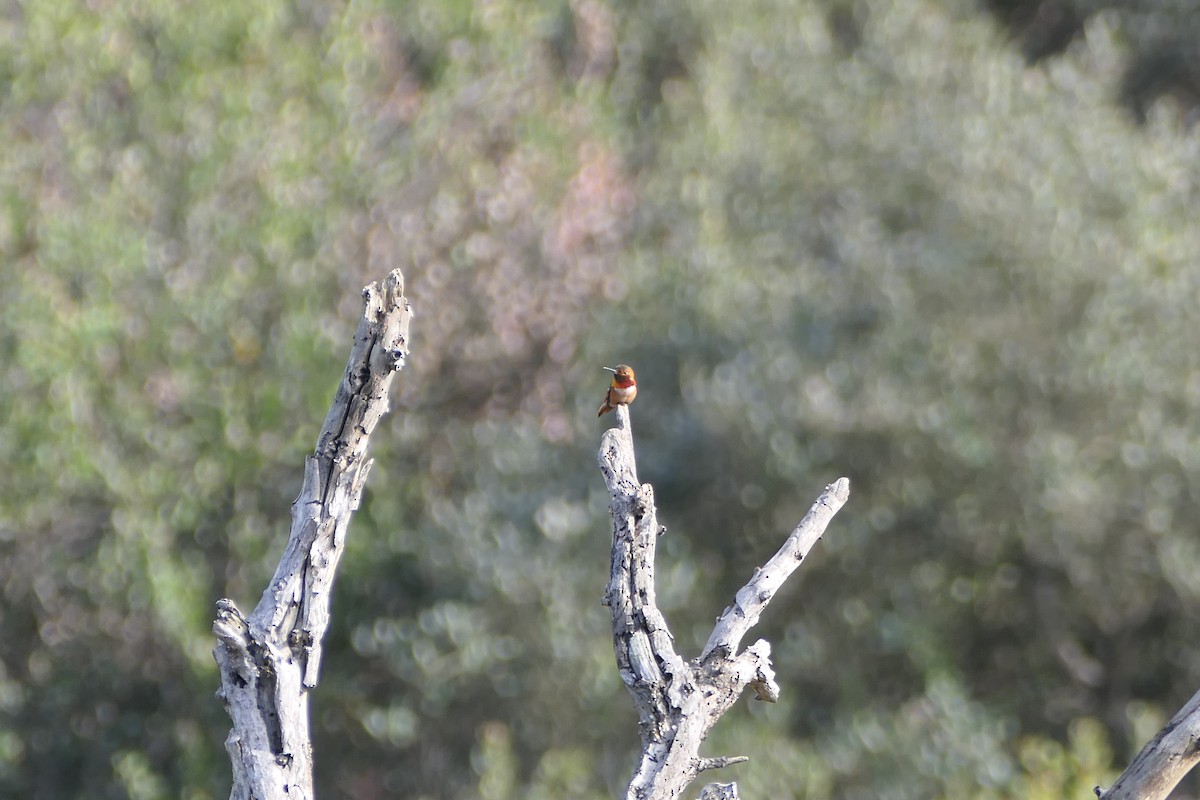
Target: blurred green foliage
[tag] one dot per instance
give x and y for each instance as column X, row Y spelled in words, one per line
column 859, row 238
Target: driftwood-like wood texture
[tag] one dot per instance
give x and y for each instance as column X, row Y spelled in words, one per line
column 1164, row 760
column 679, row 701
column 270, row 660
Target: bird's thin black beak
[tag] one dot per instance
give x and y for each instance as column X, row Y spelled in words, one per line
column 610, row 369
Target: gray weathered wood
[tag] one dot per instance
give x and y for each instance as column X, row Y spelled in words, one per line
column 679, row 701
column 269, row 661
column 753, row 598
column 720, row 791
column 1164, row 760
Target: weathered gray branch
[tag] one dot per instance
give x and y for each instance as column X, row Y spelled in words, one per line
column 679, row 701
column 753, row 598
column 1164, row 760
column 270, row 660
column 721, row 761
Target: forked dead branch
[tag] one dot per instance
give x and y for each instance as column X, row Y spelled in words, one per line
column 271, row 660
column 679, row 701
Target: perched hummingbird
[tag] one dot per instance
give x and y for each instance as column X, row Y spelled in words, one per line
column 621, row 391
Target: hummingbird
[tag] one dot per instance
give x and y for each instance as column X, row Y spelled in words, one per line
column 621, row 391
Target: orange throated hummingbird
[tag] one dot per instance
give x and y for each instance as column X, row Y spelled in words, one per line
column 621, row 391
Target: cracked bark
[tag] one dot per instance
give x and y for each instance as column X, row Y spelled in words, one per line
column 271, row 660
column 679, row 701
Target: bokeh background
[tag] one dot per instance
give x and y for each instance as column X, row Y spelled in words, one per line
column 946, row 248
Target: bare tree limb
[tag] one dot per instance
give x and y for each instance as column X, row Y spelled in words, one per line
column 752, row 598
column 679, row 701
column 271, row 660
column 1164, row 760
